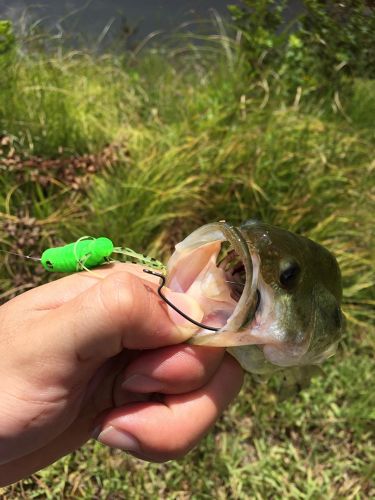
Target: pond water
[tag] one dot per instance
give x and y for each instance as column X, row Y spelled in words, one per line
column 90, row 18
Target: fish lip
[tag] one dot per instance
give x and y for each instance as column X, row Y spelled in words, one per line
column 244, row 310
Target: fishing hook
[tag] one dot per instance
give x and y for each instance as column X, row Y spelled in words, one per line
column 175, row 308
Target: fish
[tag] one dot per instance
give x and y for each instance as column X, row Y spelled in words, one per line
column 274, row 296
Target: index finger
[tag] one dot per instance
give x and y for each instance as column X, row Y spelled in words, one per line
column 62, row 290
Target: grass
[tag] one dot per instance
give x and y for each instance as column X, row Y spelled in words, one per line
column 199, row 141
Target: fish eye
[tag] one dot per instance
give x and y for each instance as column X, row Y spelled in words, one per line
column 290, row 271
column 49, row 265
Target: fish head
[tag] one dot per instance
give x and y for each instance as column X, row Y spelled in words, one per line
column 300, row 295
column 275, row 296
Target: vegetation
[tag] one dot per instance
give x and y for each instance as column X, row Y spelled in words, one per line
column 320, row 52
column 145, row 149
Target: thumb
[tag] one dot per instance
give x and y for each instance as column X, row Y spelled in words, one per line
column 120, row 311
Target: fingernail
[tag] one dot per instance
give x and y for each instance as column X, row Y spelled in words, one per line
column 141, row 383
column 186, row 304
column 113, row 437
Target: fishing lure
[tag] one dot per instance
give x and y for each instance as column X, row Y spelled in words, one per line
column 84, row 253
column 88, row 252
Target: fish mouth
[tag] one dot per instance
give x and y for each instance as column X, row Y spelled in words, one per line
column 215, row 266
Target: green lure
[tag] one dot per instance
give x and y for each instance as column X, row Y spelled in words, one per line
column 76, row 256
column 87, row 253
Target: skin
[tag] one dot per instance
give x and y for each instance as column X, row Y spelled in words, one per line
column 81, row 356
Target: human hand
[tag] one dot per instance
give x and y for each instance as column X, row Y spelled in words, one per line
column 82, row 355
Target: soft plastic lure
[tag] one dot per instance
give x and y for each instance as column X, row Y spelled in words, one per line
column 84, row 253
column 88, row 252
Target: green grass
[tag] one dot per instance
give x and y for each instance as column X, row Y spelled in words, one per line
column 69, row 100
column 200, row 141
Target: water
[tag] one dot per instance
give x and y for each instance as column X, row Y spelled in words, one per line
column 92, row 18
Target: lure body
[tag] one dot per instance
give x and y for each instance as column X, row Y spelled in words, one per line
column 88, row 252
column 84, row 253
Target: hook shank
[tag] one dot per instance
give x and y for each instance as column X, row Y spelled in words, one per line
column 175, row 308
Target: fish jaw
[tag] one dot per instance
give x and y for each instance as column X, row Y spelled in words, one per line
column 193, row 269
column 260, row 330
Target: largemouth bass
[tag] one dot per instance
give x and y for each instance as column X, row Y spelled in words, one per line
column 275, row 296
